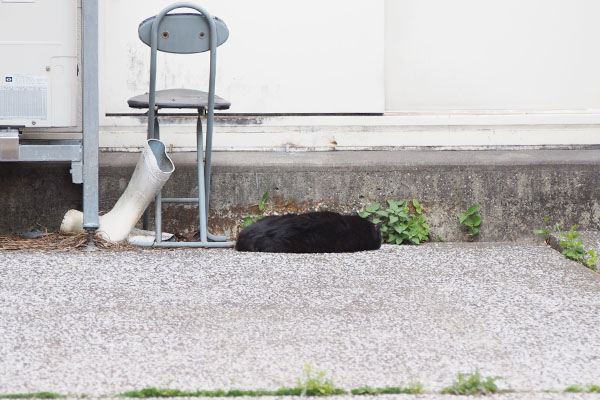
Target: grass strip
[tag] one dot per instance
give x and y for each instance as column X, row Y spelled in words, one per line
column 467, row 385
column 367, row 390
column 581, row 389
column 296, row 391
column 156, row 392
column 39, row 395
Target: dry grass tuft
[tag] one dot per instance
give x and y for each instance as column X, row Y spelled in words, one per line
column 59, row 242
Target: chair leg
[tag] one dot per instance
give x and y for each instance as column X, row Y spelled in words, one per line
column 158, row 218
column 207, row 171
column 203, row 193
column 146, row 218
column 201, row 183
column 216, row 238
column 207, row 177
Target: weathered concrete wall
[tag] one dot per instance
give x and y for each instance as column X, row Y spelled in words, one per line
column 35, row 195
column 515, row 189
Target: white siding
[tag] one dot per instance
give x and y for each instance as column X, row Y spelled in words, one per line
column 460, row 73
column 492, row 55
column 282, row 56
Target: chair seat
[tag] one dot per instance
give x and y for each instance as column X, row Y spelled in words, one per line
column 178, row 98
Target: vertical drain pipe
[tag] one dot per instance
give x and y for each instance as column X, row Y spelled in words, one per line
column 89, row 11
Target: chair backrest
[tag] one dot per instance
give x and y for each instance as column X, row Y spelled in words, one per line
column 183, row 33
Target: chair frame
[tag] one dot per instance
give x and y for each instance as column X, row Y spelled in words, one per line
column 203, row 167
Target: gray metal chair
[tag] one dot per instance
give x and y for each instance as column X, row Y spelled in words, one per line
column 185, row 33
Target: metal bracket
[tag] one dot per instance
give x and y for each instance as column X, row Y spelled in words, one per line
column 77, row 171
column 9, row 144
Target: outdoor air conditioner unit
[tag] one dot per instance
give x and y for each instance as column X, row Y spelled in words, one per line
column 38, row 63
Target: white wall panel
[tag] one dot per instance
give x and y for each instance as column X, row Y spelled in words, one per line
column 282, row 56
column 492, row 55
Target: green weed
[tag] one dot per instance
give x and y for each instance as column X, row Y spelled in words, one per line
column 265, row 208
column 398, row 224
column 574, row 389
column 581, row 389
column 261, row 207
column 546, row 231
column 471, row 219
column 315, row 383
column 573, row 249
column 263, row 201
column 312, row 383
column 473, row 384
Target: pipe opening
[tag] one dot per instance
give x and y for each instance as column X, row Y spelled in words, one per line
column 160, row 153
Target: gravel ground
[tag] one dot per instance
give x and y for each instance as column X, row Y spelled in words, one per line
column 106, row 322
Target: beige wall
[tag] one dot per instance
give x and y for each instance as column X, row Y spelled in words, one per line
column 492, row 55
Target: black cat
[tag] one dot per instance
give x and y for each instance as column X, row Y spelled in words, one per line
column 314, row 232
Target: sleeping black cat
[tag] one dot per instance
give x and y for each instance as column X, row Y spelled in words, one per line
column 315, row 232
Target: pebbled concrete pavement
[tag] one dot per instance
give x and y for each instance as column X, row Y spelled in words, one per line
column 106, row 322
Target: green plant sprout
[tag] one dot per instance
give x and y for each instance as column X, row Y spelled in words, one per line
column 315, row 383
column 265, row 208
column 582, row 389
column 261, row 207
column 471, row 219
column 546, row 231
column 573, row 249
column 263, row 201
column 473, row 384
column 398, row 224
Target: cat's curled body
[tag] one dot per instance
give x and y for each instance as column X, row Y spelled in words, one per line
column 314, row 232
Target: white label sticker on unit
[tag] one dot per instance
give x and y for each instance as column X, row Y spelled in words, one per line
column 23, row 96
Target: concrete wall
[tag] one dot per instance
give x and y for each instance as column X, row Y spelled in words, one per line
column 515, row 189
column 36, row 196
